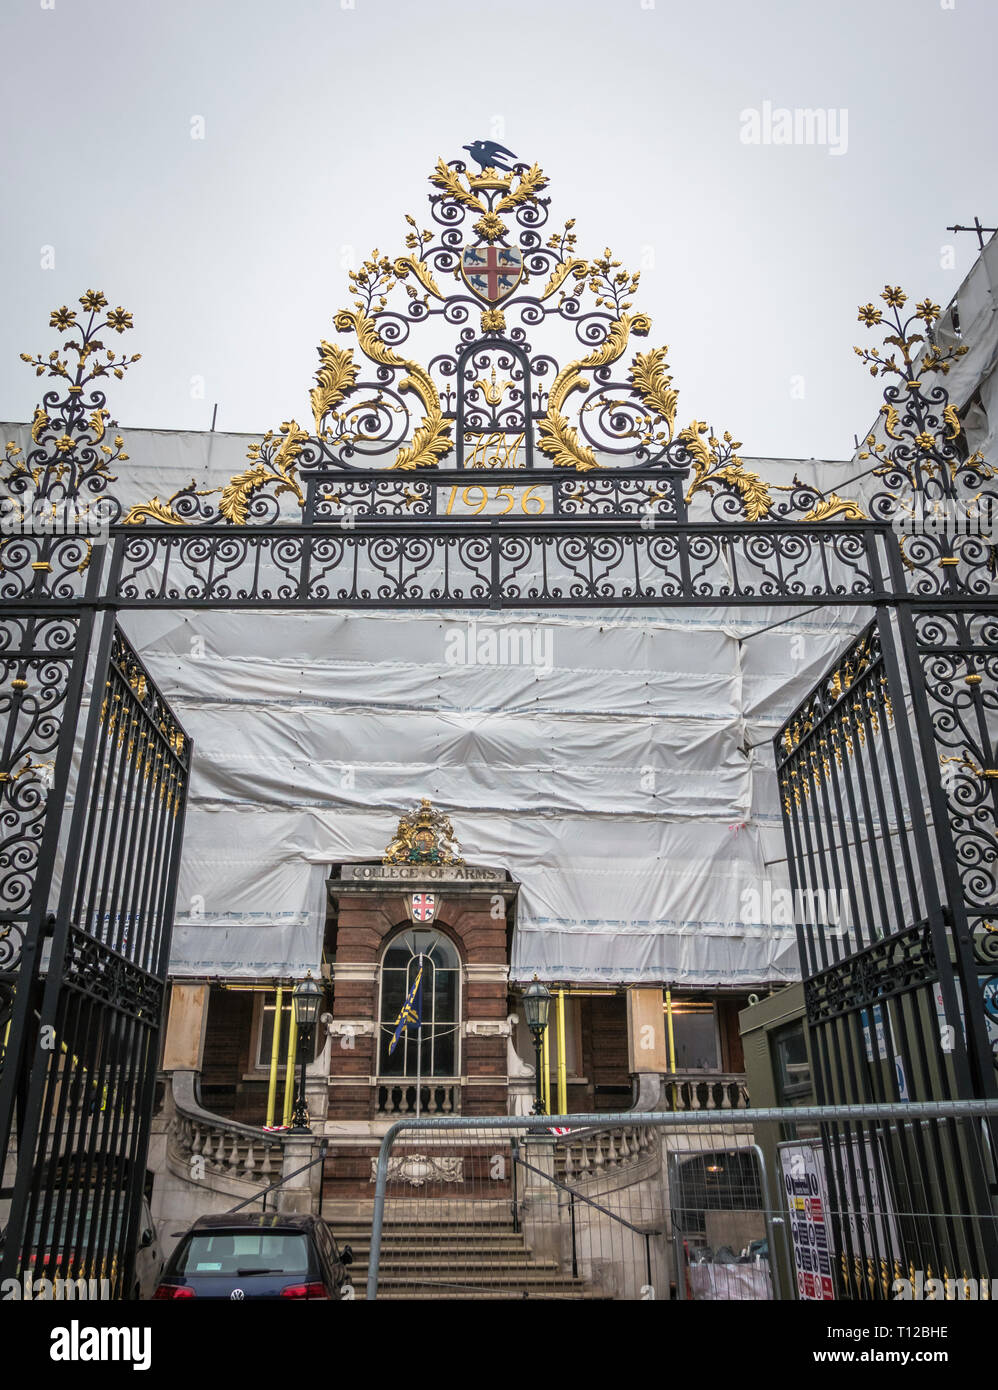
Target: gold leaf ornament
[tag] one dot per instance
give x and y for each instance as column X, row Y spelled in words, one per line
column 754, row 492
column 652, row 383
column 526, row 190
column 560, row 441
column 692, row 438
column 449, row 180
column 834, row 505
column 891, row 420
column 234, row 502
column 431, row 439
column 406, row 264
column 561, row 273
column 555, row 436
column 153, row 510
column 336, row 376
column 711, row 468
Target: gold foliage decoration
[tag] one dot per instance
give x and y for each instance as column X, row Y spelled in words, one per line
column 716, row 463
column 834, row 505
column 431, row 440
column 556, row 437
column 153, row 510
column 449, row 180
column 404, row 264
column 239, row 490
column 560, row 441
column 652, row 383
column 336, row 375
column 274, row 463
column 560, row 274
column 526, row 190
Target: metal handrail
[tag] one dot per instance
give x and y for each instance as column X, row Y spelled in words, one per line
column 646, row 1235
column 899, row 1112
column 323, row 1146
column 583, row 1198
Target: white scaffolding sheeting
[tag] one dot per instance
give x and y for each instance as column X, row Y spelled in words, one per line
column 610, row 772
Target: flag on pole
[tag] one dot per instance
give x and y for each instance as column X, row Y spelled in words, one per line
column 411, row 1013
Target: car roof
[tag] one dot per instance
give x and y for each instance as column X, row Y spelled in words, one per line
column 256, row 1220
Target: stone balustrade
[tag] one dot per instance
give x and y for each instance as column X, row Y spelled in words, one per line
column 205, row 1147
column 436, row 1098
column 590, row 1153
column 706, row 1091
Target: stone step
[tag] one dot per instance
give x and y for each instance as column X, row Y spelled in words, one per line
column 442, row 1232
column 492, row 1296
column 477, row 1273
column 398, row 1240
column 484, row 1285
column 457, row 1261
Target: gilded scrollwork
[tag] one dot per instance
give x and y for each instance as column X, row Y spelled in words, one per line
column 248, row 496
column 486, row 268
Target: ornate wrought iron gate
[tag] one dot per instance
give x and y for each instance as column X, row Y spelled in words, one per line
column 85, row 984
column 892, row 973
column 615, row 506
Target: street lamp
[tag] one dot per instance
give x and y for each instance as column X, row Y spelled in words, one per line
column 536, row 1002
column 306, row 1000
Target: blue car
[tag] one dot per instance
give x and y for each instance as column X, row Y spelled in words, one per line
column 259, row 1255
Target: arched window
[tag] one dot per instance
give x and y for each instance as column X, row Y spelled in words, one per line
column 441, row 1012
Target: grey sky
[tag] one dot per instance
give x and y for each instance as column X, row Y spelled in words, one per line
column 322, row 123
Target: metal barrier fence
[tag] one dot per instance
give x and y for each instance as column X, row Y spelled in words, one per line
column 819, row 1202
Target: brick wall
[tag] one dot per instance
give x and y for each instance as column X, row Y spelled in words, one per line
column 365, row 923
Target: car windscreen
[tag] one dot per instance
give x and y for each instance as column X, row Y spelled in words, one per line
column 244, row 1252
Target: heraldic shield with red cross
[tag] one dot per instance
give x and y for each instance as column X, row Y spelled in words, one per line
column 423, row 907
column 492, row 272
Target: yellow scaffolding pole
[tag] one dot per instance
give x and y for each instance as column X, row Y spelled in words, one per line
column 275, row 1052
column 562, row 1059
column 672, row 1042
column 289, row 1080
column 546, row 1072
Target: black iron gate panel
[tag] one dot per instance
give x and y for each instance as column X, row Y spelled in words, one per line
column 954, row 657
column 90, row 1047
column 893, row 1008
column 43, row 658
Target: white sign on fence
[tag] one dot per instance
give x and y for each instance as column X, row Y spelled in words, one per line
column 871, row 1220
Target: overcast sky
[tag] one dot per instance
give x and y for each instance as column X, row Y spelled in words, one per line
column 322, row 119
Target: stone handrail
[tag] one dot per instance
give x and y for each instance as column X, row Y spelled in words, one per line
column 223, row 1154
column 706, row 1091
column 398, row 1098
column 595, row 1153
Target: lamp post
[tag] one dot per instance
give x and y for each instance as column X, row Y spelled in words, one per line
column 306, row 1000
column 536, row 1003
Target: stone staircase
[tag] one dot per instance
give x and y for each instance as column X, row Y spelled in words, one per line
column 454, row 1259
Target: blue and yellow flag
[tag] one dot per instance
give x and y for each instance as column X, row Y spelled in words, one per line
column 411, row 1014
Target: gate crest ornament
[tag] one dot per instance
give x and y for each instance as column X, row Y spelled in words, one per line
column 490, row 267
column 602, row 429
